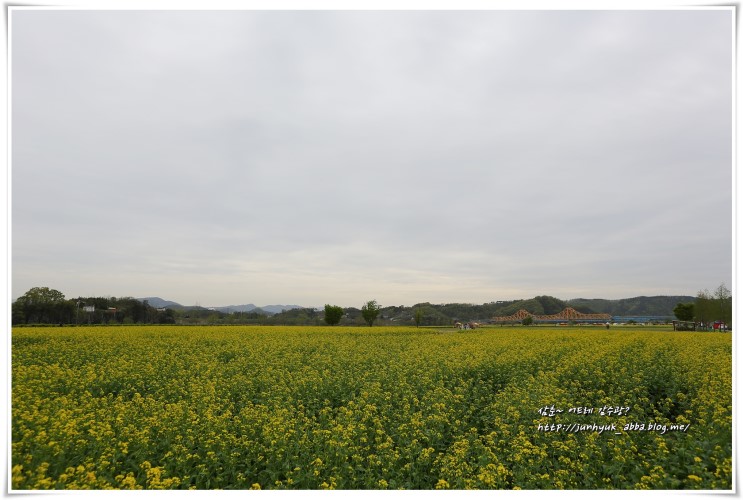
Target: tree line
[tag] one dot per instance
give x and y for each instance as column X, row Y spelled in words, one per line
column 47, row 306
column 708, row 307
column 43, row 305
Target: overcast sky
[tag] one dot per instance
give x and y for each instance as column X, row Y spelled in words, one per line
column 336, row 157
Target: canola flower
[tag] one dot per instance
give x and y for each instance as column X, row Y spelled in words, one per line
column 366, row 408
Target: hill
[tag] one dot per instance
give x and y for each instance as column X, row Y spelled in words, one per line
column 433, row 314
column 270, row 309
column 442, row 314
column 158, row 303
column 636, row 306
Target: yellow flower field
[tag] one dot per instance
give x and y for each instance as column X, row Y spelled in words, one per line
column 172, row 407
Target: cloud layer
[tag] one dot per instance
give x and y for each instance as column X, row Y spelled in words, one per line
column 333, row 157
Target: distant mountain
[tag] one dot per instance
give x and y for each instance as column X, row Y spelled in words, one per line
column 270, row 309
column 240, row 308
column 278, row 308
column 635, row 306
column 446, row 313
column 158, row 302
column 441, row 314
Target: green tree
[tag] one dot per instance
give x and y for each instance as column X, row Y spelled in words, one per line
column 704, row 307
column 684, row 312
column 724, row 304
column 370, row 311
column 527, row 321
column 333, row 314
column 418, row 317
column 42, row 305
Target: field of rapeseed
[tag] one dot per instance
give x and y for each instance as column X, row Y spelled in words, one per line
column 370, row 408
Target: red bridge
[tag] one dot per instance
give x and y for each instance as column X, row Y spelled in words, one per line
column 567, row 314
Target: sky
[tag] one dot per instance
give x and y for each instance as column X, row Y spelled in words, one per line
column 335, row 157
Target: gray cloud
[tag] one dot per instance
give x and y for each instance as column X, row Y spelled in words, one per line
column 314, row 157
